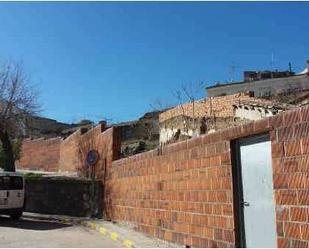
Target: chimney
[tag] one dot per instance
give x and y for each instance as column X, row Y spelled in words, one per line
column 103, row 124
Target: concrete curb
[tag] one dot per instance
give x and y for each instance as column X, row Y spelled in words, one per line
column 117, row 232
column 100, row 229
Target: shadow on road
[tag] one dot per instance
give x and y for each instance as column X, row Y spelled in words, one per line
column 31, row 224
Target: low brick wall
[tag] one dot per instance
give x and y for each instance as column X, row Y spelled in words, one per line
column 63, row 196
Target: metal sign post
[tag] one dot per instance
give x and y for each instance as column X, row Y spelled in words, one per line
column 91, row 160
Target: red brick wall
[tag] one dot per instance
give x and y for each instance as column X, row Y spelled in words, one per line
column 102, row 141
column 69, row 160
column 185, row 194
column 40, row 154
column 63, row 155
column 290, row 150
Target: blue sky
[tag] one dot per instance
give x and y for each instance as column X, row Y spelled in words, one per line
column 111, row 60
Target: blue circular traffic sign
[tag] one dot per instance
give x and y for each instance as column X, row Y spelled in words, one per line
column 92, row 157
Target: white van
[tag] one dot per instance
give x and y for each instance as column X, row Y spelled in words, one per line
column 12, row 194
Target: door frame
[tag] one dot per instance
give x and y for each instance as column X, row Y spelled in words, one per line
column 240, row 234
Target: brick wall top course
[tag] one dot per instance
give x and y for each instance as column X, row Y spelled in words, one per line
column 251, row 128
column 276, row 125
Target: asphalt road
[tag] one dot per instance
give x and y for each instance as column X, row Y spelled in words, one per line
column 40, row 232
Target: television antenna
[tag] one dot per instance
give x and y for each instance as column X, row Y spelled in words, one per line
column 272, row 61
column 232, row 70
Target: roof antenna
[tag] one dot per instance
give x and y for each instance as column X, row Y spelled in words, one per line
column 272, row 61
column 232, row 69
column 290, row 67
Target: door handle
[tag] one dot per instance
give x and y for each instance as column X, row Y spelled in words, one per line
column 245, row 204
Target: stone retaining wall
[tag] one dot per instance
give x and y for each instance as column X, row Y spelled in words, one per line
column 63, row 196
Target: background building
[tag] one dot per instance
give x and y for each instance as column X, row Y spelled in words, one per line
column 263, row 84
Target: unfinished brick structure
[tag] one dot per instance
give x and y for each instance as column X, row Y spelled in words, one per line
column 221, row 106
column 185, row 192
column 213, row 114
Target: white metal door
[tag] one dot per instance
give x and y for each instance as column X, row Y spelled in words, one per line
column 258, row 198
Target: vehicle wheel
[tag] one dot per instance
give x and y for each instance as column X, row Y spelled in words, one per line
column 16, row 215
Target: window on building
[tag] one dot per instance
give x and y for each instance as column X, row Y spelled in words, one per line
column 251, row 93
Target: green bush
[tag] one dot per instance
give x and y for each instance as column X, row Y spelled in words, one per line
column 32, row 175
